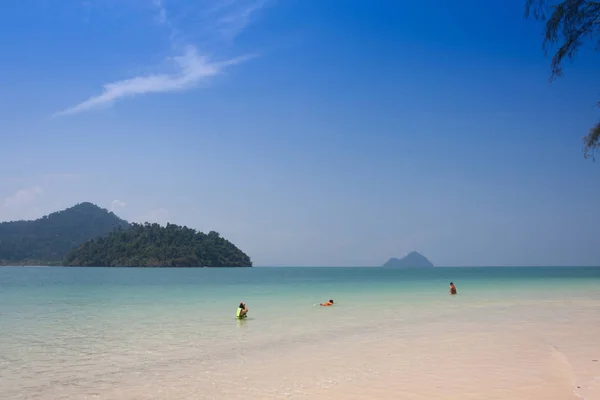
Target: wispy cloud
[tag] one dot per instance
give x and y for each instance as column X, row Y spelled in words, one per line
column 116, row 205
column 162, row 11
column 189, row 69
column 23, row 197
column 233, row 16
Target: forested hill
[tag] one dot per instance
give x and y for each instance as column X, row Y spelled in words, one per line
column 152, row 245
column 47, row 240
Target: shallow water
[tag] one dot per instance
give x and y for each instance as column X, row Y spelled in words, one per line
column 112, row 333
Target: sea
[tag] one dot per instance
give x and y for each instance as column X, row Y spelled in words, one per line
column 163, row 333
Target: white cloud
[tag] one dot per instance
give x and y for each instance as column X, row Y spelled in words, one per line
column 190, row 68
column 23, row 197
column 116, row 205
column 238, row 17
column 162, row 11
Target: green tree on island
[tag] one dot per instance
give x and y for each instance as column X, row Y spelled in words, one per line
column 152, row 245
column 568, row 23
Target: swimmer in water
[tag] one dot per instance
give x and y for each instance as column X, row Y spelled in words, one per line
column 452, row 288
column 329, row 303
column 242, row 311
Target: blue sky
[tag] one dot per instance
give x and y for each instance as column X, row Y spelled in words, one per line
column 306, row 132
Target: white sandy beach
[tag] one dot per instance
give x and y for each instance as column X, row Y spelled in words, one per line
column 444, row 357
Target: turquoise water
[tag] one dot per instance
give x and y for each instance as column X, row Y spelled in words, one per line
column 37, row 298
column 218, row 291
column 87, row 328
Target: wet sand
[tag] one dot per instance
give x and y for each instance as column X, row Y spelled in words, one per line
column 434, row 360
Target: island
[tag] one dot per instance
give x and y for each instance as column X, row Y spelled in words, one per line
column 412, row 260
column 47, row 240
column 88, row 235
column 153, row 245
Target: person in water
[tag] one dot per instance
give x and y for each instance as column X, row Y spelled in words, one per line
column 452, row 288
column 242, row 311
column 329, row 303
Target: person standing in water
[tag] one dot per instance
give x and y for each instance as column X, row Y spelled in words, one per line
column 242, row 311
column 452, row 288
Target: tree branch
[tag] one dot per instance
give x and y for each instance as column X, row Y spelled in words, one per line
column 592, row 141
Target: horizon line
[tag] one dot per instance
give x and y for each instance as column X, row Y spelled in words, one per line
column 427, row 268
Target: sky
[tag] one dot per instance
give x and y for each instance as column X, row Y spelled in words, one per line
column 308, row 133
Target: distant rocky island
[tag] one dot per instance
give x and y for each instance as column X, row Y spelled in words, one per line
column 412, row 260
column 87, row 235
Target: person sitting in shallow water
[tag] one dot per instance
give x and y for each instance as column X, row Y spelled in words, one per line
column 329, row 303
column 452, row 288
column 242, row 311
